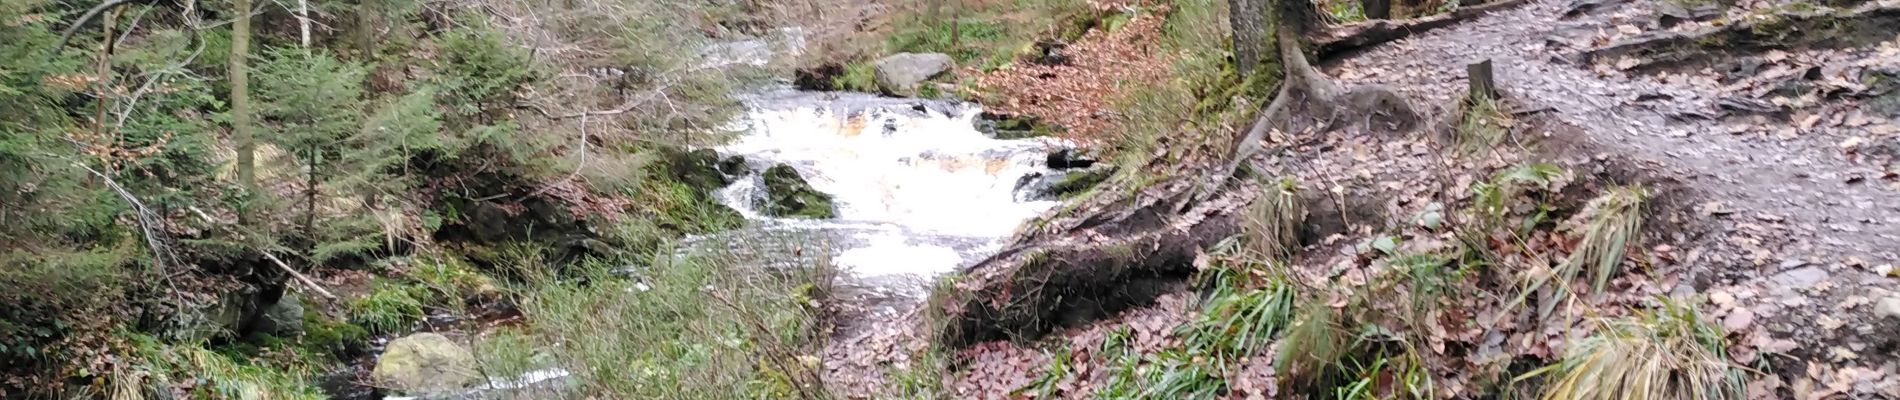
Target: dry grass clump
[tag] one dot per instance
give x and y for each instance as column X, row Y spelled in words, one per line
column 1670, row 353
column 1271, row 225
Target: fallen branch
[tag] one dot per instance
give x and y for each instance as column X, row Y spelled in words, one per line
column 312, row 284
column 1346, row 38
column 301, row 278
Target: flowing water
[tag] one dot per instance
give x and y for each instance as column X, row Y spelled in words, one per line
column 919, row 190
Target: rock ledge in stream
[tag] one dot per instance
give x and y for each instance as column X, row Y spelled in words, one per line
column 788, row 195
column 424, row 363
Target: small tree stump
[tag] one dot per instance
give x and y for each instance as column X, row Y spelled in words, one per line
column 1483, row 84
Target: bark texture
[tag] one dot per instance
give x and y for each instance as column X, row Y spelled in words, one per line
column 1248, row 18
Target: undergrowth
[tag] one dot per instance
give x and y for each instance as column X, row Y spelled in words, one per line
column 688, row 327
column 1666, row 353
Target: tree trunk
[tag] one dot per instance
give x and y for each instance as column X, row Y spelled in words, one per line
column 1376, row 9
column 240, row 96
column 1251, row 34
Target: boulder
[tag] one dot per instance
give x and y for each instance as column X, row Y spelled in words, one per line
column 285, row 318
column 788, row 195
column 424, row 363
column 899, row 74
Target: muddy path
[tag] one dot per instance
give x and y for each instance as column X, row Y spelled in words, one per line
column 1790, row 221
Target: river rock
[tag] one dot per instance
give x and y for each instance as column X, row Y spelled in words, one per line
column 1061, row 184
column 734, row 166
column 788, row 195
column 424, row 363
column 899, row 74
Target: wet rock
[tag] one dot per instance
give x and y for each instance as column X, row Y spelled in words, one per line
column 788, row 195
column 734, row 166
column 424, row 363
column 1060, row 184
column 1002, row 126
column 821, row 77
column 284, row 318
column 699, row 168
column 899, row 74
column 1069, row 158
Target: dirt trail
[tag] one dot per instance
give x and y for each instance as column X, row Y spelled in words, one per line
column 1777, row 221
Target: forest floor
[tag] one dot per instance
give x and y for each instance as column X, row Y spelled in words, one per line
column 1769, row 148
column 1790, row 216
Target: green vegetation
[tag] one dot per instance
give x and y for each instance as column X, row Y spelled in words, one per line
column 687, row 328
column 388, row 308
column 982, row 36
column 393, row 135
column 1482, row 124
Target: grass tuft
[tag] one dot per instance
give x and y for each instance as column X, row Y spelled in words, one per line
column 388, row 308
column 1237, row 321
column 1614, row 222
column 1271, row 225
column 1669, row 353
column 1482, row 126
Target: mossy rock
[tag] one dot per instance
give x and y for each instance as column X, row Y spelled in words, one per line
column 788, row 195
column 425, row 363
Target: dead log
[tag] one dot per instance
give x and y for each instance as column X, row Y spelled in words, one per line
column 1346, row 38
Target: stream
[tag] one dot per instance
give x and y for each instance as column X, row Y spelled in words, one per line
column 919, row 190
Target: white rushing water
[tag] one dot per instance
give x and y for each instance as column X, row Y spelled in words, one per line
column 918, row 190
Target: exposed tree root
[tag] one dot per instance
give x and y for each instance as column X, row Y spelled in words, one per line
column 1822, row 28
column 1078, row 268
column 1042, row 283
column 1308, row 99
column 1346, row 38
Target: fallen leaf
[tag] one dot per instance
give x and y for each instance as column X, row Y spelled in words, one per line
column 1738, row 320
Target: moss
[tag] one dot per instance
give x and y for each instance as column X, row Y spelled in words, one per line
column 788, row 195
column 859, row 76
column 326, row 335
column 1075, row 184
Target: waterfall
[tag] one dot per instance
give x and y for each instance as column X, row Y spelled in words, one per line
column 918, row 190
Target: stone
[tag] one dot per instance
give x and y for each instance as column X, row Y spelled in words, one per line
column 424, row 363
column 1888, row 307
column 1061, row 184
column 788, row 195
column 285, row 318
column 734, row 166
column 899, row 74
column 219, row 319
column 1800, row 278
